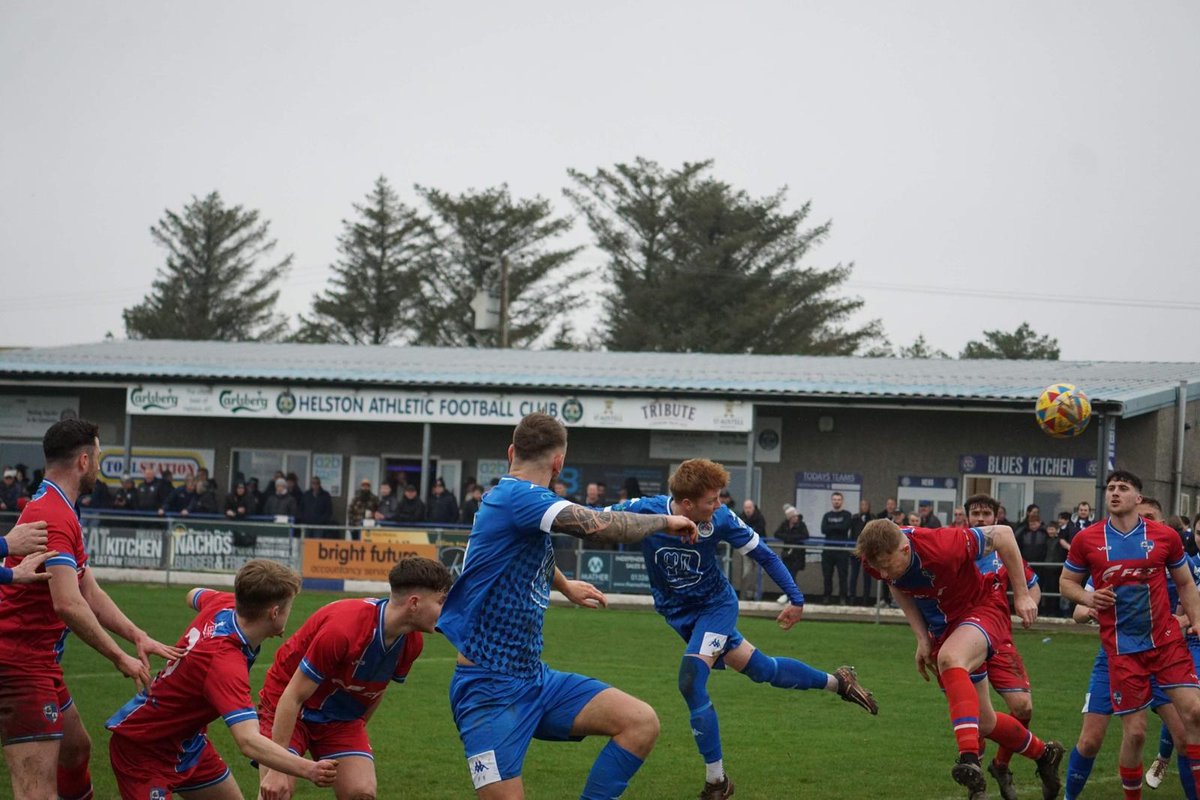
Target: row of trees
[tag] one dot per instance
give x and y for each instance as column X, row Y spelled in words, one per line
column 692, row 264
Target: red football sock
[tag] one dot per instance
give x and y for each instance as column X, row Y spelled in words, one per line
column 964, row 708
column 75, row 784
column 1004, row 754
column 1011, row 735
column 1131, row 782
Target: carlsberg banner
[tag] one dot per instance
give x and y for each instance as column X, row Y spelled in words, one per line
column 470, row 408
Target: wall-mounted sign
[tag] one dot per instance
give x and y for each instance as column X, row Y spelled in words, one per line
column 28, row 417
column 721, row 446
column 480, row 408
column 181, row 462
column 1027, row 466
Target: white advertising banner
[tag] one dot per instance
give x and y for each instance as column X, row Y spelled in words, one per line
column 23, row 416
column 478, row 408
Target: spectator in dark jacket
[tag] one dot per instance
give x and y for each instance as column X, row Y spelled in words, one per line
column 204, row 500
column 928, row 518
column 181, row 498
column 443, row 508
column 316, row 506
column 10, row 490
column 835, row 526
column 389, row 504
column 259, row 497
column 125, row 498
column 293, row 482
column 99, row 498
column 411, row 508
column 792, row 531
column 470, row 506
column 753, row 517
column 857, row 523
column 238, row 505
column 1031, row 535
column 149, row 492
column 280, row 504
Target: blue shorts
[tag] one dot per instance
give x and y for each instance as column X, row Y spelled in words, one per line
column 709, row 630
column 498, row 715
column 1098, row 700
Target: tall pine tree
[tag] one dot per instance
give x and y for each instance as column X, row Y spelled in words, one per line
column 475, row 230
column 696, row 265
column 375, row 288
column 213, row 285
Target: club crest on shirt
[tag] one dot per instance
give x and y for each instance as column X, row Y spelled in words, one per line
column 50, row 712
column 705, row 528
column 1147, row 545
column 158, row 793
column 1116, row 698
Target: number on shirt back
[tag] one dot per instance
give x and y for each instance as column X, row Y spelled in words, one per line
column 193, row 636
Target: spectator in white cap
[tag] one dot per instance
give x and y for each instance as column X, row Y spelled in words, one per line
column 792, row 531
column 10, row 491
column 280, row 504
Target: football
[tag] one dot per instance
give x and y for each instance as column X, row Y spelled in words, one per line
column 1063, row 411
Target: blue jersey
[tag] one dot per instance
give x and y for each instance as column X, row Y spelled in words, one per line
column 683, row 575
column 990, row 564
column 494, row 612
column 1193, row 565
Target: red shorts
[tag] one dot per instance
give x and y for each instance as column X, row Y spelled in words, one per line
column 1129, row 675
column 322, row 739
column 32, row 700
column 146, row 776
column 1006, row 670
column 990, row 618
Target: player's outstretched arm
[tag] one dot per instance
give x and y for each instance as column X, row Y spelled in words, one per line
column 72, row 609
column 620, row 527
column 1000, row 538
column 923, row 658
column 114, row 619
column 581, row 593
column 259, row 748
column 26, row 538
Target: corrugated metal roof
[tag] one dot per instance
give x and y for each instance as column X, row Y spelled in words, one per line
column 1129, row 388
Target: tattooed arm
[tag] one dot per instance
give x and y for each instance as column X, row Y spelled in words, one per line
column 619, row 527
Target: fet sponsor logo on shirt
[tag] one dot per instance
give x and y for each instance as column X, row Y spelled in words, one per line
column 1122, row 574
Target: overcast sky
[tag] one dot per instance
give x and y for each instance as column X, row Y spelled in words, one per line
column 983, row 163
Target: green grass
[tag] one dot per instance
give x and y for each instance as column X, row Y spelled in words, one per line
column 778, row 744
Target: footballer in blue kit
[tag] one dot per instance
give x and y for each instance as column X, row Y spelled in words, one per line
column 692, row 593
column 502, row 695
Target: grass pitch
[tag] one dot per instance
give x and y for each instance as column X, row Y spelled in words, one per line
column 778, row 743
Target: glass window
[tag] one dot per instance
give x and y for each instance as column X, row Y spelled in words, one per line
column 1053, row 496
column 263, row 464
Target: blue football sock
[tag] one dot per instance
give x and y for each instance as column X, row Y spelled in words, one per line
column 785, row 673
column 1078, row 771
column 611, row 773
column 1185, row 770
column 1166, row 743
column 693, row 685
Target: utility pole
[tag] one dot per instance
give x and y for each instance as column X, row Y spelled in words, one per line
column 504, row 301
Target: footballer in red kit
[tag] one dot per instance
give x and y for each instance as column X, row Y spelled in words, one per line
column 46, row 746
column 1128, row 560
column 159, row 742
column 959, row 617
column 330, row 675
